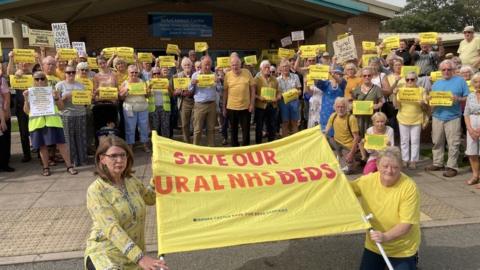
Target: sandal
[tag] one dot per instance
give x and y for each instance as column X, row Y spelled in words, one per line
column 46, row 171
column 71, row 170
column 472, row 181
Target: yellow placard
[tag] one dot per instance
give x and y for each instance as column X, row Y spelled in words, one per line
column 268, row 93
column 65, row 54
column 310, row 81
column 145, row 57
column 250, row 194
column 159, row 84
column 308, row 51
column 110, row 93
column 206, row 80
column 167, row 61
column 286, row 53
column 81, row 97
column 92, row 63
column 181, row 83
column 407, row 69
column 366, row 58
column 362, row 107
column 86, row 82
column 435, row 76
column 470, row 86
column 201, row 46
column 409, row 94
column 319, row 68
column 126, row 53
column 137, row 89
column 250, row 60
column 21, row 82
column 319, row 72
column 391, row 42
column 428, row 38
column 290, row 95
column 108, row 52
column 223, row 62
column 441, row 98
column 321, row 48
column 344, row 35
column 24, row 56
column 375, row 142
column 369, row 46
column 173, row 49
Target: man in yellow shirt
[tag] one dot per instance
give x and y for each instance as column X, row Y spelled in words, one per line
column 346, row 137
column 469, row 49
column 238, row 99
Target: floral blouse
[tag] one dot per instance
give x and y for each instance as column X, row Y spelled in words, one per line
column 117, row 237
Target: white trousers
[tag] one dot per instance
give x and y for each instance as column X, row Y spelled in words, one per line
column 410, row 142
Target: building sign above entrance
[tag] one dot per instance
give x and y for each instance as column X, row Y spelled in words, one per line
column 178, row 25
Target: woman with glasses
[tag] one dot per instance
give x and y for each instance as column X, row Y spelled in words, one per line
column 47, row 130
column 117, row 202
column 74, row 117
column 353, row 81
column 161, row 100
column 331, row 89
column 135, row 108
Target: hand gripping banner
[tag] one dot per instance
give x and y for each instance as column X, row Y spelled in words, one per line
column 217, row 197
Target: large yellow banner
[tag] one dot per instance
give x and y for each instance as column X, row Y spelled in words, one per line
column 217, row 197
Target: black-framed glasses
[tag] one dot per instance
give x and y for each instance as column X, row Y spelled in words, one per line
column 40, row 79
column 410, row 79
column 121, row 156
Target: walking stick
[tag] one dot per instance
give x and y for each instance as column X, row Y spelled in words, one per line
column 162, row 259
column 380, row 247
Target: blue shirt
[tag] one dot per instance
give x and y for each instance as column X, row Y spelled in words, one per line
column 328, row 99
column 459, row 88
column 202, row 94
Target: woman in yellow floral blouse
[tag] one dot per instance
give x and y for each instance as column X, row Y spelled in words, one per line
column 117, row 202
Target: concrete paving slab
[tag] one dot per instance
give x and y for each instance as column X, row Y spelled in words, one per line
column 31, row 186
column 71, row 184
column 444, row 190
column 466, row 204
column 18, row 201
column 61, row 199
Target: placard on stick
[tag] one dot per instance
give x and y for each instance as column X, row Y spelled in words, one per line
column 60, row 35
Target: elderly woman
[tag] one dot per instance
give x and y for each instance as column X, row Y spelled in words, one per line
column 116, row 202
column 289, row 112
column 472, row 121
column 265, row 110
column 185, row 99
column 353, row 81
column 411, row 115
column 331, row 89
column 74, row 118
column 379, row 127
column 135, row 108
column 367, row 91
column 47, row 130
column 393, row 199
column 161, row 97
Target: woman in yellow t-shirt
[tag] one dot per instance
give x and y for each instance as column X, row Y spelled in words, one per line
column 410, row 117
column 393, row 199
column 117, row 201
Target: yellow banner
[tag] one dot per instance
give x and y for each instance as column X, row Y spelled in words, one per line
column 24, row 56
column 428, row 38
column 391, row 42
column 167, row 61
column 366, row 58
column 21, row 82
column 145, row 57
column 108, row 52
column 201, row 46
column 206, row 80
column 87, row 83
column 126, row 53
column 181, row 83
column 81, row 97
column 217, row 197
column 441, row 98
column 223, row 62
column 308, row 51
column 137, row 89
column 362, row 107
column 407, row 69
column 92, row 63
column 250, row 60
column 369, row 46
column 110, row 93
column 435, row 75
column 290, row 95
column 159, row 84
column 410, row 94
column 65, row 54
column 268, row 93
column 286, row 53
column 173, row 49
column 375, row 142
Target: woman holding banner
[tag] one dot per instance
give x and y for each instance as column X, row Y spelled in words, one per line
column 47, row 130
column 472, row 121
column 393, row 199
column 117, row 201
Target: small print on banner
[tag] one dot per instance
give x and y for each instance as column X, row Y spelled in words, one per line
column 167, row 61
column 268, row 93
column 345, row 49
column 92, row 63
column 206, row 80
column 21, row 82
column 81, row 97
column 137, row 89
column 441, row 98
column 108, row 93
column 369, row 46
column 159, row 84
column 80, row 47
column 145, row 57
column 40, row 38
column 24, row 56
column 290, row 95
column 65, row 54
column 409, row 94
column 173, row 49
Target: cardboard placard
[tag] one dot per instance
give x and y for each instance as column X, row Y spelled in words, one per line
column 375, row 142
column 60, row 35
column 298, row 35
column 21, row 82
column 92, row 63
column 126, row 53
column 286, row 41
column 24, row 56
column 441, row 98
column 391, row 42
column 286, row 53
column 206, row 80
column 308, row 51
column 86, row 82
column 181, row 83
column 366, row 58
column 137, row 89
column 167, row 61
column 290, row 95
column 108, row 93
column 40, row 38
column 65, row 54
column 223, row 62
column 407, row 69
column 362, row 107
column 250, row 60
column 158, row 84
column 80, row 47
column 369, row 46
column 345, row 49
column 268, row 93
column 201, row 46
column 145, row 57
column 81, row 97
column 428, row 38
column 109, row 52
column 409, row 94
column 173, row 49
column 41, row 101
column 435, row 75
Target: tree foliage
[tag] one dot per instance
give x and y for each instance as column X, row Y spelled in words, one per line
column 435, row 15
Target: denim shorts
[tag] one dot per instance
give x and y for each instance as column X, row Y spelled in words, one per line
column 289, row 111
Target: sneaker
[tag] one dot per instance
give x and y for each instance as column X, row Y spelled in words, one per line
column 449, row 172
column 434, row 168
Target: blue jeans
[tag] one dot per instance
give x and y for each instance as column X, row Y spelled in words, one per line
column 374, row 261
column 132, row 119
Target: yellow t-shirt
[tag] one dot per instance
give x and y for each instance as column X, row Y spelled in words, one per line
column 261, row 82
column 469, row 50
column 60, row 74
column 352, row 83
column 411, row 113
column 342, row 134
column 238, row 87
column 390, row 206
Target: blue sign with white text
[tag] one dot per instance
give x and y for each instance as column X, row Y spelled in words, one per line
column 178, row 25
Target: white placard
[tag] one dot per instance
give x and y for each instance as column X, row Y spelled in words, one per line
column 41, row 101
column 345, row 49
column 60, row 34
column 40, row 38
column 286, row 41
column 297, row 35
column 80, row 46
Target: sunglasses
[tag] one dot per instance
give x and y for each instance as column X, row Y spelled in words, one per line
column 40, row 79
column 84, row 70
column 70, row 72
column 156, row 73
column 133, row 72
column 410, row 79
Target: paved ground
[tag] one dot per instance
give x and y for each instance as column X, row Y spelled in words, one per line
column 44, row 219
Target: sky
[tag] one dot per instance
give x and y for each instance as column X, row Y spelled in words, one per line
column 399, row 3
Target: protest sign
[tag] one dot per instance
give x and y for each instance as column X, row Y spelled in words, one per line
column 268, row 93
column 428, row 38
column 407, row 69
column 86, row 82
column 40, row 38
column 366, row 58
column 108, row 52
column 441, row 98
column 362, row 107
column 345, row 49
column 41, row 101
column 409, row 94
column 66, row 54
column 298, row 35
column 286, row 41
column 250, row 60
column 92, row 63
column 60, row 35
column 310, row 80
column 21, row 82
column 286, row 53
column 24, row 56
column 206, row 80
column 231, row 196
column 319, row 72
column 145, row 57
column 223, row 62
column 375, row 142
column 174, row 49
column 391, row 42
column 167, row 61
column 201, row 46
column 435, row 75
column 470, row 86
column 159, row 84
column 108, row 93
column 321, row 47
column 137, row 89
column 369, row 46
column 181, row 83
column 80, row 47
column 126, row 53
column 308, row 51
column 81, row 97
column 290, row 95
